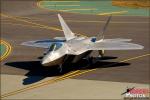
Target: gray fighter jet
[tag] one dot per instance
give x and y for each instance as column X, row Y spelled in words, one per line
column 72, row 48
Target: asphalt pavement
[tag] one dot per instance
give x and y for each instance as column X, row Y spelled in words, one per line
column 23, row 21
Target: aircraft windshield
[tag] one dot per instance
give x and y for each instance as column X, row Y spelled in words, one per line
column 55, row 46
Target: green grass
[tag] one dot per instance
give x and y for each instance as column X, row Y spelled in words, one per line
column 2, row 49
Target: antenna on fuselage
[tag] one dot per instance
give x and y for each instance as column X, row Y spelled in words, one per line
column 101, row 34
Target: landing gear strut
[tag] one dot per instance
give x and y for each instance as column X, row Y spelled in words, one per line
column 91, row 60
column 101, row 53
column 60, row 68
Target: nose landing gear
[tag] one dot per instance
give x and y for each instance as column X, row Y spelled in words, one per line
column 60, row 68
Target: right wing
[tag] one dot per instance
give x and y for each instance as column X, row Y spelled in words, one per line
column 43, row 43
column 67, row 32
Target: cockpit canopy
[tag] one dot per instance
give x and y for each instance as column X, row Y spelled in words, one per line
column 55, row 46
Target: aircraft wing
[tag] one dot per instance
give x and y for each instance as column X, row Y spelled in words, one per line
column 118, row 40
column 43, row 43
column 114, row 45
column 106, row 44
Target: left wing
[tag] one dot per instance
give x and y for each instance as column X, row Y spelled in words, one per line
column 43, row 43
column 114, row 45
column 106, row 44
column 118, row 40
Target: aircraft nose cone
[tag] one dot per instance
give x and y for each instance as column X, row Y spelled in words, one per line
column 45, row 62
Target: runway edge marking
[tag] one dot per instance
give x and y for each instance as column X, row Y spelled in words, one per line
column 66, row 76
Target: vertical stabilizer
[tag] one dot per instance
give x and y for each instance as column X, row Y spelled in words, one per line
column 67, row 32
column 101, row 34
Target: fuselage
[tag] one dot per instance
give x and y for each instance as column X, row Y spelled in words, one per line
column 75, row 47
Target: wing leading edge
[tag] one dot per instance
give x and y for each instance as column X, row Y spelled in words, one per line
column 43, row 43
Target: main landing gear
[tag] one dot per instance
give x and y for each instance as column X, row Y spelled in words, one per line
column 93, row 60
column 101, row 53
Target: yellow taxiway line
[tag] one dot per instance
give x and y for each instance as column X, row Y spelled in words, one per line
column 29, row 22
column 35, row 19
column 62, row 1
column 11, row 23
column 66, row 76
column 35, row 85
column 28, row 18
column 135, row 58
column 78, row 9
column 8, row 50
column 76, row 21
column 94, row 21
column 61, row 5
column 35, row 24
column 111, row 13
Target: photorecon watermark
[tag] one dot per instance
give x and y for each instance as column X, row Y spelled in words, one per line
column 136, row 94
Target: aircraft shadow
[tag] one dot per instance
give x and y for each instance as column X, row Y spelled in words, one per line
column 37, row 72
